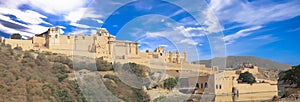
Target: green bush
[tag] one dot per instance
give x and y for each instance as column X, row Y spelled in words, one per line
column 247, row 77
column 170, row 83
column 61, row 77
column 291, row 76
column 16, row 36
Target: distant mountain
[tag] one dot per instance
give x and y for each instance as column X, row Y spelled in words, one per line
column 236, row 61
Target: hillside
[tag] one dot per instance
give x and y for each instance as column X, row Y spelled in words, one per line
column 32, row 76
column 236, row 61
column 28, row 76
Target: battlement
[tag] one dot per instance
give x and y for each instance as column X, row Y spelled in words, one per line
column 102, row 44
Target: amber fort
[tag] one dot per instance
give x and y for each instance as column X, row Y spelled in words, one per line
column 105, row 46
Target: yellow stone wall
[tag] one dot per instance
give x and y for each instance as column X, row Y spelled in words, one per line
column 253, row 70
column 25, row 44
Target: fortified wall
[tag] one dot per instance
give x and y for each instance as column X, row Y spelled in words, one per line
column 99, row 45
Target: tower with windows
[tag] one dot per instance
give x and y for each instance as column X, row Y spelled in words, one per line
column 52, row 37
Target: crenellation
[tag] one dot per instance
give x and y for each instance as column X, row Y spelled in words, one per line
column 105, row 46
column 101, row 44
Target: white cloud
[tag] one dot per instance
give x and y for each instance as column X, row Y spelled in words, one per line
column 81, row 13
column 80, row 25
column 157, row 34
column 177, row 12
column 293, row 30
column 79, row 32
column 211, row 22
column 27, row 16
column 163, row 45
column 11, row 31
column 253, row 13
column 98, row 21
column 58, row 6
column 229, row 39
column 188, row 41
column 265, row 37
column 191, row 31
column 194, row 28
column 5, row 18
column 31, row 17
column 182, row 30
column 36, row 29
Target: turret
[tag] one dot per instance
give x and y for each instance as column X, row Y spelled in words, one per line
column 177, row 57
column 102, row 32
column 170, row 56
column 185, row 56
column 52, row 36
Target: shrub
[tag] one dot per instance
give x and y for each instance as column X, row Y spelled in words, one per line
column 18, row 48
column 247, row 77
column 170, row 83
column 139, row 70
column 61, row 77
column 28, row 55
column 291, row 76
column 16, row 36
column 103, row 65
column 112, row 77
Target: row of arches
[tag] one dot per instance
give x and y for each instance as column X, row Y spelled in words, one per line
column 202, row 85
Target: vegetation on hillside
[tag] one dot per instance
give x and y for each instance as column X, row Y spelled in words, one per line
column 31, row 76
column 247, row 78
column 44, row 76
column 291, row 76
column 139, row 70
column 123, row 91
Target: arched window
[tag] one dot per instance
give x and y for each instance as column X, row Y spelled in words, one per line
column 56, row 36
column 205, row 85
column 220, row 86
column 201, row 85
column 217, row 87
column 197, row 85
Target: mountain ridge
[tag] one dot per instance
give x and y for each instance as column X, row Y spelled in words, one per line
column 236, row 61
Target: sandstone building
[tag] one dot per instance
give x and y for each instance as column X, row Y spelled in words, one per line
column 104, row 45
column 100, row 45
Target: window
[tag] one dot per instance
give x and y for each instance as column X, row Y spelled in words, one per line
column 217, row 87
column 201, row 85
column 220, row 87
column 205, row 85
column 56, row 36
column 197, row 85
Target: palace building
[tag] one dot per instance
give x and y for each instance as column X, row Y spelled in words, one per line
column 101, row 45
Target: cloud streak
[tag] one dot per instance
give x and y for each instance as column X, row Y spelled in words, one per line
column 229, row 39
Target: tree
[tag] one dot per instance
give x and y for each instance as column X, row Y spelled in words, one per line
column 292, row 76
column 247, row 77
column 16, row 36
column 170, row 83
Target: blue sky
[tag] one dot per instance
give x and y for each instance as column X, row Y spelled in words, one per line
column 263, row 28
